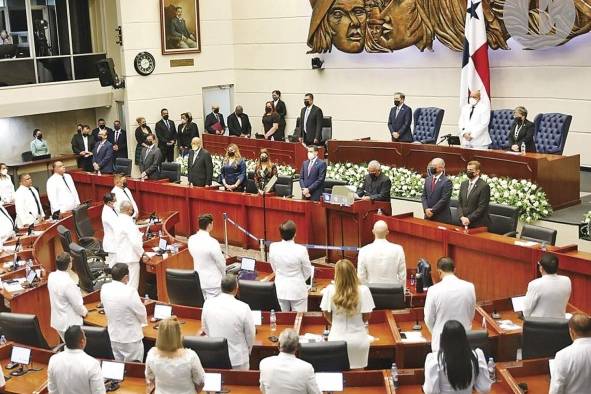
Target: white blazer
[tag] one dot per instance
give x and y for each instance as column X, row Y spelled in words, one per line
column 6, row 190
column 547, row 296
column 65, row 299
column 125, row 312
column 129, row 246
column 110, row 219
column 62, row 197
column 124, row 194
column 6, row 225
column 382, row 262
column 25, row 206
column 477, row 125
column 74, row 372
column 571, row 370
column 208, row 259
column 287, row 374
column 450, row 299
column 292, row 268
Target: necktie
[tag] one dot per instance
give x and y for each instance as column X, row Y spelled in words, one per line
column 397, row 112
column 470, row 187
column 116, row 214
column 195, row 154
column 99, row 147
column 126, row 195
column 433, row 181
column 7, row 216
column 472, row 111
column 310, row 165
column 167, row 125
column 306, row 114
column 116, row 136
column 39, row 210
column 64, row 178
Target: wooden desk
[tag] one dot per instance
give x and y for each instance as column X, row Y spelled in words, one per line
column 535, row 373
column 31, row 382
column 577, row 266
column 557, row 175
column 22, row 167
column 411, row 382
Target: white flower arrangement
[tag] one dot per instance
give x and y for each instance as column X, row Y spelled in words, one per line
column 184, row 162
column 218, row 160
column 587, row 218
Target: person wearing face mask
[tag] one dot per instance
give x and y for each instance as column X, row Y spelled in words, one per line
column 473, row 123
column 6, row 185
column 437, row 193
column 281, row 109
column 239, row 123
column 521, row 132
column 265, row 170
column 312, row 175
column 128, row 243
column 141, row 133
column 474, row 198
column 187, row 130
column 310, row 122
column 199, row 164
column 122, row 193
column 166, row 133
column 400, row 119
column 61, row 190
column 119, row 141
column 150, row 159
column 376, row 185
column 214, row 122
column 83, row 145
column 102, row 155
column 27, row 203
column 271, row 123
column 39, row 146
column 233, row 173
column 101, row 125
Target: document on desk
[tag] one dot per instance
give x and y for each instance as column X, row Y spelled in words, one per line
column 413, row 337
column 518, row 303
column 257, row 317
column 12, row 286
column 508, row 325
column 212, row 382
column 329, row 381
column 310, row 338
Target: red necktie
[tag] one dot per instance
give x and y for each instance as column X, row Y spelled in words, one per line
column 433, row 181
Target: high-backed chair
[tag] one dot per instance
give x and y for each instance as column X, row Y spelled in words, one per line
column 251, row 186
column 87, row 275
column 260, row 296
column 326, row 129
column 184, row 288
column 387, row 296
column 65, row 237
column 427, row 123
column 328, row 356
column 453, row 207
column 212, row 352
column 22, row 328
column 98, row 342
column 85, row 231
column 499, row 127
column 543, row 337
column 551, row 131
column 329, row 183
column 170, row 171
column 503, row 219
column 479, row 340
column 27, row 156
column 123, row 166
column 538, row 234
column 284, row 186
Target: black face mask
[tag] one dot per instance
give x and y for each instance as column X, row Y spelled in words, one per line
column 39, row 136
column 117, row 127
column 397, row 102
column 231, row 154
column 264, row 159
column 149, row 143
column 165, row 117
column 431, row 170
column 267, row 110
column 102, row 127
column 307, row 103
column 217, row 110
column 518, row 119
column 374, row 176
column 471, row 174
column 124, row 185
column 79, row 131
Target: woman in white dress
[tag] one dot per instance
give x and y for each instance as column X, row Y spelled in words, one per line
column 347, row 306
column 456, row 368
column 171, row 369
column 6, row 185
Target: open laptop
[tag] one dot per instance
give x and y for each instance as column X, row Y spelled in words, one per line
column 248, row 268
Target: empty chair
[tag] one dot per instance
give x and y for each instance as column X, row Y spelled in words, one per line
column 326, row 356
column 499, row 127
column 284, row 186
column 455, row 217
column 85, row 231
column 427, row 123
column 326, row 129
column 530, row 232
column 543, row 337
column 184, row 288
column 123, row 166
column 551, row 131
column 503, row 219
column 98, row 343
column 22, row 328
column 212, row 352
column 65, row 237
column 329, row 183
column 88, row 277
column 387, row 296
column 251, row 186
column 260, row 296
column 170, row 171
column 27, row 156
column 479, row 340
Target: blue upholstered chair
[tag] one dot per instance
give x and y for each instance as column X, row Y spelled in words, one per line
column 499, row 128
column 550, row 132
column 427, row 124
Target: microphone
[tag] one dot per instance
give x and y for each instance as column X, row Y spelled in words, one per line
column 15, row 257
column 30, row 229
column 444, row 138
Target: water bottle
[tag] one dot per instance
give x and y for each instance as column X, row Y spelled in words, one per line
column 465, row 229
column 325, row 334
column 492, row 373
column 147, row 297
column 2, row 340
column 544, row 246
column 523, row 148
column 394, row 372
column 273, row 320
column 412, row 279
column 380, row 211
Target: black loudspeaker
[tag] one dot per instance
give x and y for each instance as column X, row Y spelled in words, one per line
column 106, row 72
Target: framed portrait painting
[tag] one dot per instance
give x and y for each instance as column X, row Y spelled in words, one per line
column 179, row 26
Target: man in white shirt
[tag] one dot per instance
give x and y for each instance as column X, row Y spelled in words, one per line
column 473, row 123
column 571, row 370
column 547, row 296
column 450, row 299
column 129, row 245
column 208, row 259
column 285, row 373
column 61, row 191
column 226, row 317
column 7, row 225
column 381, row 262
column 27, row 203
column 73, row 371
column 292, row 268
column 110, row 219
column 126, row 315
column 122, row 193
column 65, row 298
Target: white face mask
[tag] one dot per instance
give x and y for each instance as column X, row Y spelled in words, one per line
column 4, row 171
column 311, row 156
column 472, row 101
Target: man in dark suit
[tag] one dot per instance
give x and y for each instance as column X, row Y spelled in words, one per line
column 437, row 193
column 151, row 158
column 281, row 109
column 102, row 155
column 400, row 120
column 200, row 165
column 312, row 175
column 239, row 124
column 310, row 122
column 177, row 28
column 522, row 132
column 376, row 185
column 474, row 198
column 83, row 145
column 102, row 125
column 166, row 133
column 214, row 121
column 119, row 141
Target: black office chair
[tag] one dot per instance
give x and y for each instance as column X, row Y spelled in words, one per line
column 213, row 352
column 455, row 217
column 184, row 287
column 260, row 296
column 22, row 328
column 328, row 356
column 98, row 343
column 251, row 186
column 503, row 219
column 27, row 156
column 329, row 183
column 387, row 296
column 326, row 129
column 123, row 166
column 85, row 231
column 479, row 340
column 529, row 232
column 170, row 171
column 65, row 237
column 90, row 277
column 543, row 337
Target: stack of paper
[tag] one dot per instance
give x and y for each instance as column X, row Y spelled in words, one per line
column 310, row 338
column 413, row 337
column 508, row 325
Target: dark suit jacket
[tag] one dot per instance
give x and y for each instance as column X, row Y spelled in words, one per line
column 164, row 134
column 78, row 146
column 109, row 133
column 150, row 163
column 315, row 181
column 281, row 109
column 475, row 207
column 313, row 126
column 234, row 127
column 103, row 157
column 526, row 134
column 437, row 198
column 210, row 120
column 401, row 123
column 184, row 137
column 121, row 143
column 200, row 173
column 178, row 28
column 377, row 189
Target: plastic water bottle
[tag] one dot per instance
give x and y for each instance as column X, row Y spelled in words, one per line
column 325, row 334
column 523, row 148
column 394, row 372
column 147, row 297
column 380, row 211
column 2, row 340
column 544, row 246
column 273, row 320
column 492, row 373
column 412, row 279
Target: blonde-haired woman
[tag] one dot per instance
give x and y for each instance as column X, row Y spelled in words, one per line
column 233, row 173
column 141, row 133
column 347, row 306
column 171, row 369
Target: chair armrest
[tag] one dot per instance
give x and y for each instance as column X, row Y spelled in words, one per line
column 511, row 234
column 87, row 239
column 58, row 348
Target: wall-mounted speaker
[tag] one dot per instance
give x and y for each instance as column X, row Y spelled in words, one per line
column 106, row 72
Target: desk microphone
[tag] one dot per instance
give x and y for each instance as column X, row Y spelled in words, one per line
column 30, row 229
column 417, row 326
column 444, row 138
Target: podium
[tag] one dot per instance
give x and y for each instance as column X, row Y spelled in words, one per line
column 351, row 226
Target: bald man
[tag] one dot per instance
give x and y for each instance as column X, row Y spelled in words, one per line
column 381, row 261
column 61, row 190
column 376, row 185
column 199, row 164
column 473, row 123
column 437, row 193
